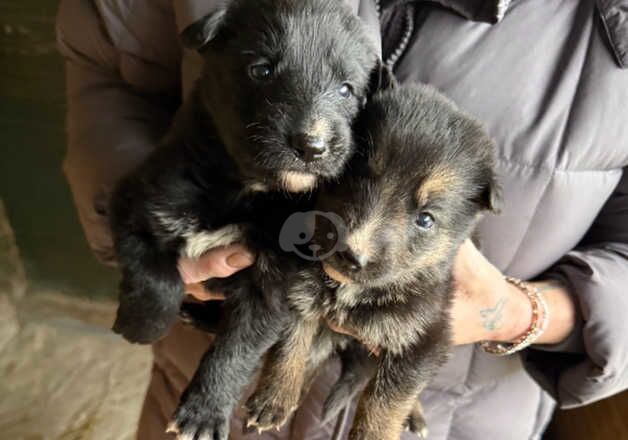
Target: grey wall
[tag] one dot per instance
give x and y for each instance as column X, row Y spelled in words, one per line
column 32, row 146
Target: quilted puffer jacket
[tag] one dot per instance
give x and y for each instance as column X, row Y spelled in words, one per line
column 546, row 77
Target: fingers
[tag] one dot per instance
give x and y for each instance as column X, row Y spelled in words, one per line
column 198, row 291
column 373, row 349
column 339, row 329
column 217, row 263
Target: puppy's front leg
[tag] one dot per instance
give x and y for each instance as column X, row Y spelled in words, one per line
column 252, row 327
column 392, row 394
column 282, row 378
column 151, row 290
column 384, row 406
column 358, row 368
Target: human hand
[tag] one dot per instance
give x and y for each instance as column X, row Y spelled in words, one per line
column 485, row 305
column 216, row 263
column 488, row 308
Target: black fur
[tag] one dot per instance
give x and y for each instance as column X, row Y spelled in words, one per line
column 313, row 47
column 223, row 173
column 390, row 283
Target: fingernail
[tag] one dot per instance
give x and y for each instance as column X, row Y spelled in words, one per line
column 240, row 260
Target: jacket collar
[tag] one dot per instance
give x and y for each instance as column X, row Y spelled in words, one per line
column 489, row 11
column 613, row 14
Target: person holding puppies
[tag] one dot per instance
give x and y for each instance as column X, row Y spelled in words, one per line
column 546, row 80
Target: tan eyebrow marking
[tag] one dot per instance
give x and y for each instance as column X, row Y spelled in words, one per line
column 439, row 181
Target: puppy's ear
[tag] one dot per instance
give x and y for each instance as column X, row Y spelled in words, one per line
column 201, row 32
column 381, row 78
column 491, row 197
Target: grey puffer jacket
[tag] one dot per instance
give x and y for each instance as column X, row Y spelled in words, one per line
column 546, row 78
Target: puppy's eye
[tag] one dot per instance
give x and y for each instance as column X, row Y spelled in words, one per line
column 425, row 221
column 260, row 71
column 345, row 90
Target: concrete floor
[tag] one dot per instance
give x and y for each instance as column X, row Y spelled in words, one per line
column 63, row 374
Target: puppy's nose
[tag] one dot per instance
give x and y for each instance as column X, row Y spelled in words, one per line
column 354, row 261
column 309, row 147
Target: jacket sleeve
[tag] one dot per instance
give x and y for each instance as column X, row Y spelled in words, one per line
column 122, row 87
column 596, row 273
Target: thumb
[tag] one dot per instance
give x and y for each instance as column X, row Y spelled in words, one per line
column 216, row 263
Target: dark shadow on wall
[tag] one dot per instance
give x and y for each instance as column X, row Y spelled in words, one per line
column 32, row 145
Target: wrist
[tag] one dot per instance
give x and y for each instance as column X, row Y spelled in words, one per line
column 502, row 312
column 562, row 310
column 538, row 323
column 517, row 313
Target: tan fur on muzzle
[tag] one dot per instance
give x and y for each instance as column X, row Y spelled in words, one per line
column 294, row 181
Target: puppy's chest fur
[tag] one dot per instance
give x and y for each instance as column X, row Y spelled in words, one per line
column 200, row 201
column 393, row 318
column 199, row 232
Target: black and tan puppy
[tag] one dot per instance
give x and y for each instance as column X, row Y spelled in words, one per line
column 282, row 83
column 406, row 205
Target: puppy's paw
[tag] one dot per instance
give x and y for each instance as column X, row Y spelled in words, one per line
column 415, row 422
column 141, row 331
column 145, row 314
column 366, row 434
column 205, row 316
column 267, row 410
column 198, row 419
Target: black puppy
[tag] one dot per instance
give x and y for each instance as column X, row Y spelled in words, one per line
column 271, row 115
column 406, row 206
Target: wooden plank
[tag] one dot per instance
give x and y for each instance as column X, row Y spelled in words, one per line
column 604, row 420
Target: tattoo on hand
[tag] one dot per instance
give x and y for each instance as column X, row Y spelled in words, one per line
column 491, row 316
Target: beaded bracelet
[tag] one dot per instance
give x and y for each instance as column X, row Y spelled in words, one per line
column 540, row 319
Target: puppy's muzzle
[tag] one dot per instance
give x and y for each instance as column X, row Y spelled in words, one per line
column 351, row 261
